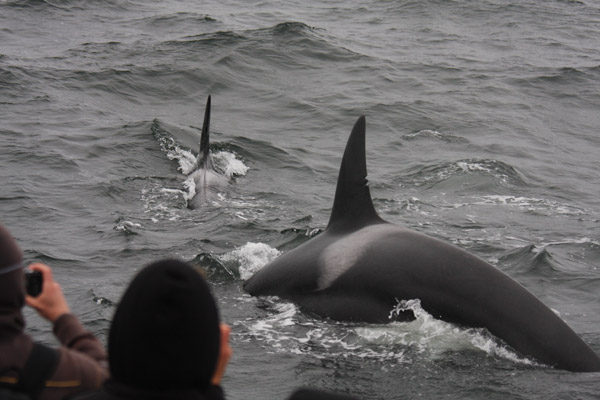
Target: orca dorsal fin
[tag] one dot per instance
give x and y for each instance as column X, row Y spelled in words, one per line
column 204, row 139
column 353, row 207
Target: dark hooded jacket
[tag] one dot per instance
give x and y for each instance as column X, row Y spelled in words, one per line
column 317, row 394
column 81, row 358
column 164, row 339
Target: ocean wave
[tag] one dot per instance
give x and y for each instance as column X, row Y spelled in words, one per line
column 564, row 75
column 55, row 257
column 530, row 260
column 291, row 28
column 68, row 5
column 296, row 37
column 435, row 135
column 207, row 40
column 533, row 205
column 563, row 82
column 178, row 19
column 431, row 175
column 286, row 45
column 31, row 4
column 20, row 86
column 562, row 260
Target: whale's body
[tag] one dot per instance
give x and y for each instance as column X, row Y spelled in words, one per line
column 361, row 266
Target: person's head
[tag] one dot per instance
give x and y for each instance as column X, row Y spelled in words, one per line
column 165, row 332
column 12, row 286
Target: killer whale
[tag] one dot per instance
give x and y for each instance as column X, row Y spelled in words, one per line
column 207, row 181
column 360, row 266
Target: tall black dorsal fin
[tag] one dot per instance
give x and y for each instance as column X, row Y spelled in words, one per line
column 353, row 207
column 204, row 139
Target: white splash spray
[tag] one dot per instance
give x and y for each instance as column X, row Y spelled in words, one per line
column 250, row 257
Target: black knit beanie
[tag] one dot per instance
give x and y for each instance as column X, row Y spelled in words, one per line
column 165, row 333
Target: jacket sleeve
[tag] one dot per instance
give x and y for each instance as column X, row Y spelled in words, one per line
column 215, row 392
column 71, row 334
column 83, row 363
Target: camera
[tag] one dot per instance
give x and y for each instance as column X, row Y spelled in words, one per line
column 33, row 283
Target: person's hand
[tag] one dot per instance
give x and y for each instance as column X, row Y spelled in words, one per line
column 224, row 355
column 51, row 302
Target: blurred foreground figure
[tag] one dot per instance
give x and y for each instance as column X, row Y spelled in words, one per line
column 165, row 340
column 315, row 394
column 29, row 369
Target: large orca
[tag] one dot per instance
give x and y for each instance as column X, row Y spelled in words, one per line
column 361, row 265
column 206, row 179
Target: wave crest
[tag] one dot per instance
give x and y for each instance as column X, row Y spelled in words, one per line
column 500, row 172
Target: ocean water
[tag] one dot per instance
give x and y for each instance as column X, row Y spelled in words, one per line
column 482, row 129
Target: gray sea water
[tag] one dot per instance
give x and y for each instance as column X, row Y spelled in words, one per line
column 483, row 130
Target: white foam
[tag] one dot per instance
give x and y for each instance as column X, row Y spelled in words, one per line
column 229, row 164
column 190, row 185
column 584, row 240
column 158, row 202
column 286, row 330
column 435, row 337
column 487, row 167
column 127, row 226
column 425, row 132
column 532, row 204
column 186, row 159
column 251, row 257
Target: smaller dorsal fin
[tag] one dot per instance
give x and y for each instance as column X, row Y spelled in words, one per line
column 353, row 207
column 204, row 139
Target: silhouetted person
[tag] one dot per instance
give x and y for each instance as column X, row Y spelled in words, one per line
column 165, row 340
column 44, row 373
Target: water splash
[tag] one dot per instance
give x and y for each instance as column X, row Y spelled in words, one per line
column 287, row 330
column 434, row 336
column 229, row 164
column 126, row 226
column 225, row 163
column 185, row 158
column 249, row 258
